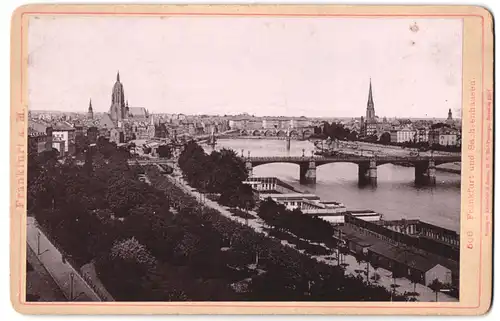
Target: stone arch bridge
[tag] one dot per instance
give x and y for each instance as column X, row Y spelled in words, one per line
column 425, row 166
column 297, row 133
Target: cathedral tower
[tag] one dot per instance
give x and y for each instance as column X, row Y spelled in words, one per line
column 117, row 110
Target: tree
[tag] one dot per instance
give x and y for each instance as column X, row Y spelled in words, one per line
column 436, row 286
column 123, row 194
column 105, row 147
column 131, row 251
column 336, row 131
column 242, row 197
column 385, row 138
column 439, row 125
column 164, row 151
column 165, row 283
column 121, row 270
column 81, row 144
column 372, row 138
column 352, row 136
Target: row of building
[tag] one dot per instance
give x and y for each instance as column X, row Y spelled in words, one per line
column 448, row 134
column 308, row 204
column 122, row 123
column 412, row 249
column 445, row 135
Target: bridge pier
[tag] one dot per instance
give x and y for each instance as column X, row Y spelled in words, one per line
column 308, row 172
column 425, row 173
column 367, row 172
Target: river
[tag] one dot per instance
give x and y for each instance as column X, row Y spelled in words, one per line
column 395, row 195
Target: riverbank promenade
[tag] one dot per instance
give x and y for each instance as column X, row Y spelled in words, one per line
column 72, row 285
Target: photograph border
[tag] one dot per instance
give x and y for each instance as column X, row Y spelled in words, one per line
column 476, row 211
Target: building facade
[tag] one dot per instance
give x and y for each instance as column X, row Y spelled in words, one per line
column 444, row 136
column 38, row 142
column 63, row 138
column 402, row 135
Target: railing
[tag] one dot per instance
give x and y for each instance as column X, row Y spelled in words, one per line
column 350, row 157
column 324, row 211
column 59, row 265
column 90, row 276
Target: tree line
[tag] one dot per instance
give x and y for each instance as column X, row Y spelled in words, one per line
column 221, row 172
column 334, row 131
column 308, row 227
column 157, row 243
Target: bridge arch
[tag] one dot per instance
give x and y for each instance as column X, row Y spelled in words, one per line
column 270, row 163
column 306, row 134
column 244, row 132
column 294, row 133
column 256, row 133
column 281, row 133
column 268, row 133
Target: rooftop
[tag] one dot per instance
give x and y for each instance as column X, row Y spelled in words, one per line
column 420, row 260
column 62, row 126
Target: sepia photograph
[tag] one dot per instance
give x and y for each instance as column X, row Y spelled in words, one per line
column 244, row 158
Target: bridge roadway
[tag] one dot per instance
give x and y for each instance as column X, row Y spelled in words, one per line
column 380, row 160
column 425, row 166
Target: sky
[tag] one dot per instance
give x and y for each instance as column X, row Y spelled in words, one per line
column 314, row 67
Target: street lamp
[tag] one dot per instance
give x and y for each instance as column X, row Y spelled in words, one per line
column 242, row 153
column 38, row 252
column 71, row 287
column 246, row 210
column 38, row 243
column 303, row 151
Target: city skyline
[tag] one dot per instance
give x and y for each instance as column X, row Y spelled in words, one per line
column 284, row 66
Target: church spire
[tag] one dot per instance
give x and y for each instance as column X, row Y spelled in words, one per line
column 370, row 95
column 118, row 76
column 370, row 106
column 90, row 113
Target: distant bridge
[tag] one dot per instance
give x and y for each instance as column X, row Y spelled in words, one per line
column 295, row 133
column 425, row 166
